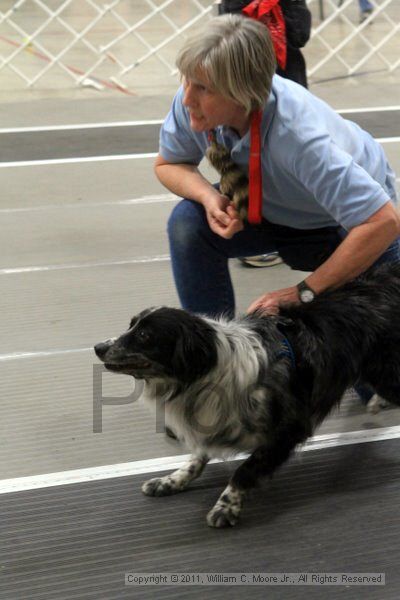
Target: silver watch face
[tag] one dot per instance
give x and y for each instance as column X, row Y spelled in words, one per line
column 306, row 296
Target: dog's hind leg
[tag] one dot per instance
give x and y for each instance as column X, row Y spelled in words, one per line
column 376, row 404
column 262, row 462
column 386, row 394
column 176, row 481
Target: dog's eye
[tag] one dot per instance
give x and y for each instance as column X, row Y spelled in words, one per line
column 142, row 335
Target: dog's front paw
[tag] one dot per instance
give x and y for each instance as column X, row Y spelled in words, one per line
column 223, row 516
column 160, row 486
column 226, row 511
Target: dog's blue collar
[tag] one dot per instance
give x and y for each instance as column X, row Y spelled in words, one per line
column 287, row 351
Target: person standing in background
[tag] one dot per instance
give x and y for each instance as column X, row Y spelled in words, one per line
column 366, row 9
column 296, row 30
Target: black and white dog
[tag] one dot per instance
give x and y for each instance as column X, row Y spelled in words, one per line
column 260, row 383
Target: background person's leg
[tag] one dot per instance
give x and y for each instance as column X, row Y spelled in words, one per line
column 366, row 8
column 200, row 258
column 365, row 5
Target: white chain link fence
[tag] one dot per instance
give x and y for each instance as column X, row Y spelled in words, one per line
column 124, row 43
column 340, row 45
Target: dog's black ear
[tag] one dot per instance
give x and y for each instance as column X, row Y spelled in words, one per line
column 148, row 311
column 142, row 314
column 133, row 322
column 195, row 352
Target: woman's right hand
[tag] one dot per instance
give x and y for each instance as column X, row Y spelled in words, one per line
column 186, row 181
column 222, row 216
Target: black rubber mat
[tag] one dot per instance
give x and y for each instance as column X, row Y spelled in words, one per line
column 327, row 511
column 102, row 141
column 78, row 143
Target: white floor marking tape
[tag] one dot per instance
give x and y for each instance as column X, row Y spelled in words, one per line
column 151, row 199
column 74, row 126
column 41, row 353
column 82, row 159
column 388, row 140
column 154, row 465
column 343, row 111
column 90, row 265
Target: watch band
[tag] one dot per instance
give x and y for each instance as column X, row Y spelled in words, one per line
column 306, row 294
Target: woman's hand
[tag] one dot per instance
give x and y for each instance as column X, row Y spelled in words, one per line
column 222, row 216
column 270, row 302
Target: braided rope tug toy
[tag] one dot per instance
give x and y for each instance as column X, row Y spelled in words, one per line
column 233, row 183
column 244, row 192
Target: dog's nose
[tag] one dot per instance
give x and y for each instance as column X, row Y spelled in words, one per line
column 101, row 349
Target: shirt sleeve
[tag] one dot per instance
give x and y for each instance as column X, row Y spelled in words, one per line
column 340, row 185
column 178, row 143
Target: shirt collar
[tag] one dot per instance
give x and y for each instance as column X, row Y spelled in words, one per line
column 237, row 143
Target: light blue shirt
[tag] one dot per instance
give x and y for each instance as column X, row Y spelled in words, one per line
column 318, row 169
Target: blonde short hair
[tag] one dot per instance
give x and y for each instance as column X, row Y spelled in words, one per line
column 236, row 55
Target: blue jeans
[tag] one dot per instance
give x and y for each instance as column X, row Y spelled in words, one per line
column 200, row 258
column 365, row 5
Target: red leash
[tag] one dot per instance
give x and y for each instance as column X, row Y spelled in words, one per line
column 254, row 213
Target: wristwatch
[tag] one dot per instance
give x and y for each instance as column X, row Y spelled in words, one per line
column 306, row 294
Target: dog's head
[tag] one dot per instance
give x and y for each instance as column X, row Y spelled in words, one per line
column 162, row 342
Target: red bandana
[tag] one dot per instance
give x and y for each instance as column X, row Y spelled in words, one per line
column 270, row 13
